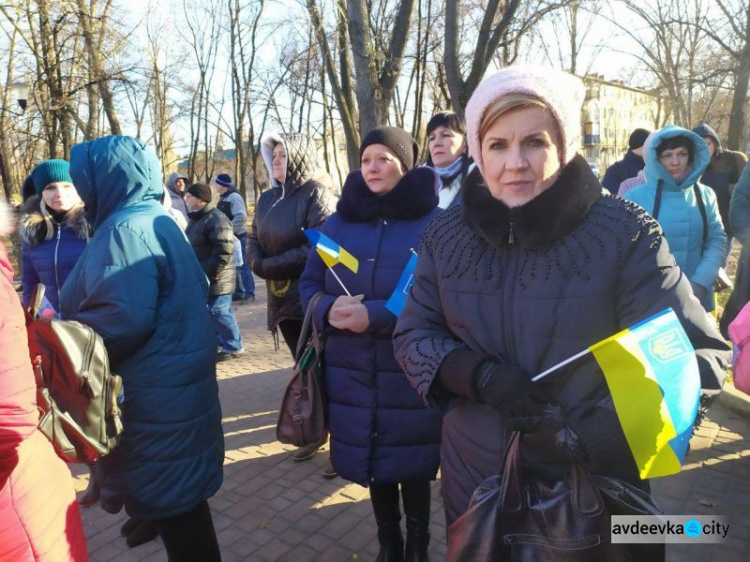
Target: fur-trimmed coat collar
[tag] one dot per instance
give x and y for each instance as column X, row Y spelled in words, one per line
column 555, row 212
column 414, row 196
column 34, row 225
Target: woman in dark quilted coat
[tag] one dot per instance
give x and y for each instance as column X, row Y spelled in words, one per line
column 278, row 247
column 536, row 265
column 382, row 435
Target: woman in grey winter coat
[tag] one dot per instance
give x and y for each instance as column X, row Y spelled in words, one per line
column 535, row 265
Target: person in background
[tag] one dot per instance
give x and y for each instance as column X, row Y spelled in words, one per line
column 630, row 165
column 278, row 247
column 721, row 175
column 210, row 235
column 382, row 435
column 54, row 231
column 565, row 263
column 137, row 285
column 446, row 145
column 39, row 518
column 739, row 221
column 176, row 186
column 686, row 209
column 232, row 204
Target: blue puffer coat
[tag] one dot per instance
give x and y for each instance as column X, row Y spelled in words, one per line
column 49, row 262
column 139, row 285
column 381, row 431
column 680, row 215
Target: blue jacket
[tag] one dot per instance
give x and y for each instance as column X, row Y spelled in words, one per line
column 139, row 285
column 680, row 216
column 622, row 170
column 49, row 262
column 381, row 431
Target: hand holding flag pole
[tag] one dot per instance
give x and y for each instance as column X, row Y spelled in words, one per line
column 331, row 254
column 653, row 378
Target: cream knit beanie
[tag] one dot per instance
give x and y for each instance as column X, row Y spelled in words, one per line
column 563, row 93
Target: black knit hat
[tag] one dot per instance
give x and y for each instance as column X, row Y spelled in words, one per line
column 398, row 140
column 201, row 190
column 637, row 138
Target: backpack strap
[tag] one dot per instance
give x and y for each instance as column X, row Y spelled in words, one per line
column 701, row 208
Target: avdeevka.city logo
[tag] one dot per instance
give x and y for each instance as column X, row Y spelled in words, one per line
column 669, row 529
column 667, row 346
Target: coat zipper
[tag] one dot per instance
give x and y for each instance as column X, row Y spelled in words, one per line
column 511, row 238
column 514, row 256
column 57, row 276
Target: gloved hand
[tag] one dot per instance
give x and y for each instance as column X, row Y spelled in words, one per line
column 508, row 389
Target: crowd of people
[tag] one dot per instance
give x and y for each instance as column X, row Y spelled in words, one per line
column 524, row 259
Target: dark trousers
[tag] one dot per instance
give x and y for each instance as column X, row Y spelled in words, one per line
column 416, row 495
column 290, row 331
column 190, row 537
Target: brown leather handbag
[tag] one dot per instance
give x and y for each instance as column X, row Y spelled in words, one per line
column 302, row 416
column 520, row 516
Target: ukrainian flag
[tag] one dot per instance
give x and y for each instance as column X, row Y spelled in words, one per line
column 652, row 374
column 330, row 252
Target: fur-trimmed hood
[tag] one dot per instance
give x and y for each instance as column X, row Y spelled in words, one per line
column 414, row 196
column 552, row 214
column 34, row 224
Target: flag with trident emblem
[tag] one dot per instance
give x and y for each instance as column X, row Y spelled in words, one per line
column 652, row 374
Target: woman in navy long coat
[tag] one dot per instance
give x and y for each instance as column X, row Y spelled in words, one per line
column 382, row 435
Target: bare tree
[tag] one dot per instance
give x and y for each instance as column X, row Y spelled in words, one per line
column 377, row 67
column 503, row 24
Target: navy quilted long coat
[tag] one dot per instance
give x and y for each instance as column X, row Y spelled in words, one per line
column 381, row 431
column 140, row 286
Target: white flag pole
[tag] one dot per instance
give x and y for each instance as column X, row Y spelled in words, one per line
column 566, row 362
column 340, row 282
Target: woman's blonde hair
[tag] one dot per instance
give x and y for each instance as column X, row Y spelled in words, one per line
column 511, row 102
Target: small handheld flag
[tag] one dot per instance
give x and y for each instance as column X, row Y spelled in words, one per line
column 397, row 300
column 653, row 377
column 332, row 253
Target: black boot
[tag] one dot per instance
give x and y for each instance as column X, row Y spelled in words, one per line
column 416, row 496
column 391, row 543
column 417, row 540
column 385, row 504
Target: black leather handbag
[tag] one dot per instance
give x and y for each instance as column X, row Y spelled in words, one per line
column 302, row 415
column 521, row 516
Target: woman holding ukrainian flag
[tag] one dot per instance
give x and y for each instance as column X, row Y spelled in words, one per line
column 382, row 435
column 536, row 265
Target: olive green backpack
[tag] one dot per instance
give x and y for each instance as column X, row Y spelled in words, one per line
column 76, row 392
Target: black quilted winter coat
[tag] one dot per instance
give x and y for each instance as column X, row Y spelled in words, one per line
column 278, row 248
column 210, row 235
column 579, row 266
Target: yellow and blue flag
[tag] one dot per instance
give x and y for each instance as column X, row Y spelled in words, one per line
column 330, row 252
column 653, row 377
column 397, row 300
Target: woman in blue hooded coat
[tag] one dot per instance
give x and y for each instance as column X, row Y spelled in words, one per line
column 382, row 435
column 686, row 209
column 138, row 284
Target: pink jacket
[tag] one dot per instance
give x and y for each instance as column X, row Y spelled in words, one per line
column 629, row 184
column 39, row 517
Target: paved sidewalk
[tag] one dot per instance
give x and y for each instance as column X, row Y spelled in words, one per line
column 272, row 509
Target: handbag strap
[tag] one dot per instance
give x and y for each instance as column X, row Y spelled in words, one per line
column 304, row 335
column 701, row 208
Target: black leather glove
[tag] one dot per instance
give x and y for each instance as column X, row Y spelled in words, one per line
column 508, row 389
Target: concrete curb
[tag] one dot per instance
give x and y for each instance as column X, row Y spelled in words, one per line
column 735, row 400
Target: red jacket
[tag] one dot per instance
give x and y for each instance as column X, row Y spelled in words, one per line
column 39, row 518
